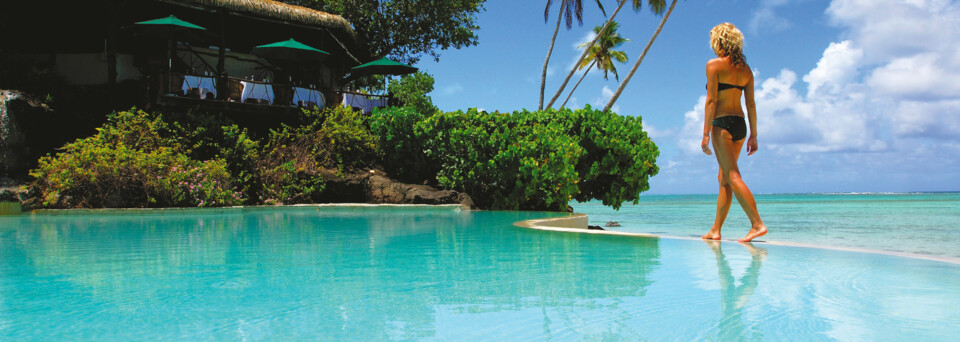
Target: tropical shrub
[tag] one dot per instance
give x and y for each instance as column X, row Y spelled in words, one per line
column 521, row 160
column 500, row 163
column 293, row 157
column 412, row 90
column 130, row 163
column 619, row 157
column 241, row 154
column 402, row 150
column 206, row 136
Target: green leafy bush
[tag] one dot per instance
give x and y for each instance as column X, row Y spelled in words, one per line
column 294, row 157
column 241, row 154
column 503, row 164
column 619, row 157
column 521, row 160
column 402, row 148
column 411, row 90
column 130, row 163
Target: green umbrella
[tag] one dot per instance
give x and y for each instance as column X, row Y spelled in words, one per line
column 172, row 29
column 291, row 51
column 382, row 66
column 171, row 22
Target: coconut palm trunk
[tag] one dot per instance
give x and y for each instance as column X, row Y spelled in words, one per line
column 636, row 65
column 578, row 84
column 543, row 78
column 580, row 60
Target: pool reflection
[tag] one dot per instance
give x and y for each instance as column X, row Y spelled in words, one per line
column 734, row 297
column 315, row 274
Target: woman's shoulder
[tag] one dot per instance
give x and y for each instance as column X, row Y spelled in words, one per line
column 717, row 62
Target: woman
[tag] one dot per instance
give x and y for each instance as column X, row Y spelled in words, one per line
column 728, row 76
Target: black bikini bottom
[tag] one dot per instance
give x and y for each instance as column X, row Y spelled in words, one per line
column 735, row 125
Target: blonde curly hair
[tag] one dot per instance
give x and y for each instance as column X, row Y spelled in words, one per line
column 727, row 41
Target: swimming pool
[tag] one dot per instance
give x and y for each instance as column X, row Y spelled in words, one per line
column 397, row 273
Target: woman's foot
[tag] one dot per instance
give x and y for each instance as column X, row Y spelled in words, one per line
column 755, row 232
column 711, row 235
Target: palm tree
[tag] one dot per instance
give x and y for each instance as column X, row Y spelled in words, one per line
column 656, row 6
column 602, row 55
column 636, row 65
column 570, row 9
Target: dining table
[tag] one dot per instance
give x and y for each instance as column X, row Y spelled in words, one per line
column 260, row 91
column 307, row 97
column 205, row 85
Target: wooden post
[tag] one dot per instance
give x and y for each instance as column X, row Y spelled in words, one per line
column 221, row 59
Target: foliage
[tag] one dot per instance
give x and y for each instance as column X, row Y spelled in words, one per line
column 502, row 162
column 204, row 136
column 619, row 157
column 656, row 6
column 412, row 91
column 402, row 150
column 294, row 157
column 522, row 160
column 405, row 30
column 568, row 8
column 130, row 162
column 602, row 53
column 241, row 153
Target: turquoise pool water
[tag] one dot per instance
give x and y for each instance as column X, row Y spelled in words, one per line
column 367, row 274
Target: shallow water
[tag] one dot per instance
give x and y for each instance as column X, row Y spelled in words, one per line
column 921, row 223
column 438, row 274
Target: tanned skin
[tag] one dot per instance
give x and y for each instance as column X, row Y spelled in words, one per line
column 725, row 103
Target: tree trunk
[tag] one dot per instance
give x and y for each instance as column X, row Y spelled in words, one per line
column 578, row 84
column 582, row 56
column 543, row 78
column 636, row 65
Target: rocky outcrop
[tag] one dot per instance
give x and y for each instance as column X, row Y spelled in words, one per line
column 30, row 128
column 375, row 187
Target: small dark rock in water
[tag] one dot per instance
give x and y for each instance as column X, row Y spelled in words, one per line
column 595, row 228
column 613, row 224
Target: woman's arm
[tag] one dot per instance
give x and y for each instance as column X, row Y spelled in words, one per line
column 710, row 110
column 751, row 116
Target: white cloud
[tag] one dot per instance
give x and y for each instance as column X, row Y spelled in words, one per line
column 452, row 89
column 765, row 18
column 890, row 29
column 837, row 67
column 601, row 101
column 923, row 75
column 931, row 119
column 655, row 133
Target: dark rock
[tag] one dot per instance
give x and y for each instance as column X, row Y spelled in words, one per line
column 612, row 224
column 376, row 188
column 9, row 195
column 595, row 228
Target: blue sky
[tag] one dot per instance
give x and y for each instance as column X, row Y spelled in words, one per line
column 852, row 95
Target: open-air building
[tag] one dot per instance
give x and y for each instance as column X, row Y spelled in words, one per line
column 253, row 59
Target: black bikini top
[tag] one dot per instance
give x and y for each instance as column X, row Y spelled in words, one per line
column 724, row 86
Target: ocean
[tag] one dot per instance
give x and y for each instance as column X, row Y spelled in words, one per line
column 921, row 224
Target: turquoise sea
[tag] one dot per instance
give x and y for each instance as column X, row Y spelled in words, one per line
column 926, row 224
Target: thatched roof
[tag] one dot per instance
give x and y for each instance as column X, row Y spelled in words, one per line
column 280, row 11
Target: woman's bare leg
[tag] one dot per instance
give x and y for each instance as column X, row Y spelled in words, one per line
column 728, row 151
column 724, row 199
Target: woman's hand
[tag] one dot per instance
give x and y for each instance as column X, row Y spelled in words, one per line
column 705, row 145
column 752, row 145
